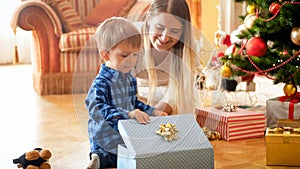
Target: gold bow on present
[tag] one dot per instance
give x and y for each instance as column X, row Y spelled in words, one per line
column 229, row 107
column 211, row 135
column 168, row 131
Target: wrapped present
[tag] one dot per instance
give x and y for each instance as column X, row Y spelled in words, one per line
column 236, row 125
column 281, row 109
column 283, row 146
column 145, row 147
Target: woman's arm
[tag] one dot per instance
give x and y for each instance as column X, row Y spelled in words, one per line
column 164, row 107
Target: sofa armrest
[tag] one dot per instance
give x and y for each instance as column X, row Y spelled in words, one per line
column 41, row 19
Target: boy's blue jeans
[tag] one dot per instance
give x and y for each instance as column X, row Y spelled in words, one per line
column 109, row 160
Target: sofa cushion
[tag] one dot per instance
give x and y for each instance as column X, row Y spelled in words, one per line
column 108, row 8
column 75, row 41
column 67, row 14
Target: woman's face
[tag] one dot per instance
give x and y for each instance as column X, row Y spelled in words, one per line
column 164, row 31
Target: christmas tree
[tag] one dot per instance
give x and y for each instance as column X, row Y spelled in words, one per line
column 267, row 43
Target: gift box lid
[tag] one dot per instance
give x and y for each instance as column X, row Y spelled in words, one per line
column 283, row 135
column 240, row 115
column 288, row 123
column 143, row 141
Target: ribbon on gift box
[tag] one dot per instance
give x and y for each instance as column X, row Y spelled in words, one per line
column 293, row 99
column 284, row 130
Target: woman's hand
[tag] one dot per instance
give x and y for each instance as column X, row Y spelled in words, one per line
column 140, row 116
column 159, row 113
column 164, row 107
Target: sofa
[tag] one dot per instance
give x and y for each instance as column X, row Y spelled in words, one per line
column 65, row 58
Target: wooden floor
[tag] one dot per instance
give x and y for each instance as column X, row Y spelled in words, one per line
column 58, row 123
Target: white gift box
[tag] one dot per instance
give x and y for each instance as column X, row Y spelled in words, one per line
column 280, row 110
column 144, row 148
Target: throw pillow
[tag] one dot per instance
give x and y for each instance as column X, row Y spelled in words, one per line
column 67, row 14
column 108, row 8
column 138, row 12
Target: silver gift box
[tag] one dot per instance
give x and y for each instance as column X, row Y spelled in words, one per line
column 280, row 110
column 145, row 149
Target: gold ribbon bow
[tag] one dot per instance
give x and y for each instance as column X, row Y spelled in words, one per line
column 168, row 131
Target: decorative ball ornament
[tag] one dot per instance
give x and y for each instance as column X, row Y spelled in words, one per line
column 226, row 71
column 256, row 47
column 289, row 89
column 220, row 54
column 251, row 9
column 274, row 8
column 295, row 35
column 249, row 20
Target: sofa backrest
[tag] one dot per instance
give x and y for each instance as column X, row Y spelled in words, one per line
column 82, row 7
column 76, row 14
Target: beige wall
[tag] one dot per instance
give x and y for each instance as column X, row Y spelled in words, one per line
column 209, row 18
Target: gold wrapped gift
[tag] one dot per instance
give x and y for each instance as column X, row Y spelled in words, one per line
column 283, row 146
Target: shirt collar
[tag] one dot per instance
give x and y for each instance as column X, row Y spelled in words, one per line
column 112, row 73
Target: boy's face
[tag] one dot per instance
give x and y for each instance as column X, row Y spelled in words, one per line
column 123, row 57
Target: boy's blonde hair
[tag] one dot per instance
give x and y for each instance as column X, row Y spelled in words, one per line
column 114, row 30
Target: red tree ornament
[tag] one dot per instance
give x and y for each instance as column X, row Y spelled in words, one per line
column 256, row 47
column 221, row 54
column 274, row 8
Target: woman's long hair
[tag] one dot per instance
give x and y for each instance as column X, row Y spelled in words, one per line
column 183, row 59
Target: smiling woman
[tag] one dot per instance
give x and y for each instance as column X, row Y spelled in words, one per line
column 169, row 55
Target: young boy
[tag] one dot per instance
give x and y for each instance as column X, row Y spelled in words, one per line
column 113, row 94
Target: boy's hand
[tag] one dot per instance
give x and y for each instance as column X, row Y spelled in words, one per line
column 140, row 116
column 159, row 113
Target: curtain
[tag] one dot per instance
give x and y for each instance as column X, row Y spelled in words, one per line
column 195, row 9
column 13, row 48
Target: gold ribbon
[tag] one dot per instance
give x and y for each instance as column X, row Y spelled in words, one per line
column 211, row 135
column 168, row 131
column 284, row 130
column 229, row 107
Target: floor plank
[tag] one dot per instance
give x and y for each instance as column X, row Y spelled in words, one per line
column 58, row 122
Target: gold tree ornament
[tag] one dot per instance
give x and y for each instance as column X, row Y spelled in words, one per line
column 226, row 71
column 251, row 9
column 289, row 89
column 295, row 35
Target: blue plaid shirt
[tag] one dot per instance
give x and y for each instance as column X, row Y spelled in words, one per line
column 112, row 94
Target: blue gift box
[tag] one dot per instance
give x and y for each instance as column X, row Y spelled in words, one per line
column 144, row 148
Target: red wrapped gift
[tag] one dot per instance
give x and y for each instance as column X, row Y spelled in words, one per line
column 241, row 124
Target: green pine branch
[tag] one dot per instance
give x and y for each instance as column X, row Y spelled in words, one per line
column 276, row 33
